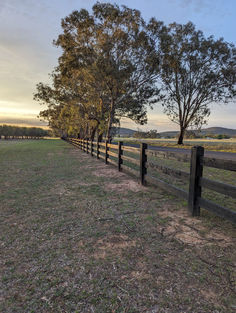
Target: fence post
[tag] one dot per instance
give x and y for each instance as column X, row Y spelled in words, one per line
column 83, row 145
column 143, row 159
column 195, row 190
column 120, row 152
column 106, row 155
column 97, row 149
column 87, row 146
column 91, row 147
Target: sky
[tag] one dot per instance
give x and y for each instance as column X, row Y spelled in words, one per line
column 27, row 56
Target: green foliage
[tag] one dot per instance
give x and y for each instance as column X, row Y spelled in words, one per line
column 195, row 71
column 112, row 62
column 152, row 134
column 107, row 71
column 190, row 134
column 8, row 130
column 222, row 136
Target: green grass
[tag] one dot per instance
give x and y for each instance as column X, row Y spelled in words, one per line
column 77, row 236
column 227, row 177
column 221, row 145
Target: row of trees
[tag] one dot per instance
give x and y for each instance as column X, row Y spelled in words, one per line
column 152, row 134
column 114, row 64
column 189, row 134
column 15, row 131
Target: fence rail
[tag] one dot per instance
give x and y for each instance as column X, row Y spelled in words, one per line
column 140, row 163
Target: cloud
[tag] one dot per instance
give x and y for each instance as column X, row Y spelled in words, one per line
column 157, row 121
column 23, row 121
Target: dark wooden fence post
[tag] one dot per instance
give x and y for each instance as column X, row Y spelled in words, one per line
column 106, row 149
column 196, row 169
column 87, row 146
column 97, row 149
column 91, row 147
column 143, row 159
column 120, row 152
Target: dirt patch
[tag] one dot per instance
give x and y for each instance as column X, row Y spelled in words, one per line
column 113, row 245
column 124, row 186
column 108, row 172
column 191, row 231
column 60, row 190
column 137, row 275
column 209, row 295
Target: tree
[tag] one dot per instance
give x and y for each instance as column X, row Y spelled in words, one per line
column 195, row 71
column 107, row 69
column 152, row 133
column 139, row 134
column 10, row 130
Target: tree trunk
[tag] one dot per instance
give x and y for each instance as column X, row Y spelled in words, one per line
column 100, row 137
column 110, row 122
column 181, row 136
column 93, row 132
column 87, row 132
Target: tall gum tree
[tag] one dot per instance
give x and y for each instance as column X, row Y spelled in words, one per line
column 108, row 61
column 194, row 72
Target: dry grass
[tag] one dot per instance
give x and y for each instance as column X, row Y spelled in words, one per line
column 222, row 145
column 69, row 243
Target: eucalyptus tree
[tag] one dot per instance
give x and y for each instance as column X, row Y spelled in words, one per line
column 107, row 69
column 195, row 72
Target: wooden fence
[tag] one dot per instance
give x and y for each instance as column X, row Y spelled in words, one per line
column 114, row 154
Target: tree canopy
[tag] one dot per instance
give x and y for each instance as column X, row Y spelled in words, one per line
column 195, row 71
column 107, row 71
column 15, row 131
column 114, row 64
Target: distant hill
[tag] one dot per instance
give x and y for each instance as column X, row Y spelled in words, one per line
column 205, row 131
column 169, row 134
column 127, row 132
column 218, row 131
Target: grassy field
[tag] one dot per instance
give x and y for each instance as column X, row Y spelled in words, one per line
column 78, row 236
column 222, row 145
column 223, row 176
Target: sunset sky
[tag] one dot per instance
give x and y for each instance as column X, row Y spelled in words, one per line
column 27, row 56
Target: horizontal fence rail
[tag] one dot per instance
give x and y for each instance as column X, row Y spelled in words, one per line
column 169, row 155
column 168, row 170
column 221, row 164
column 137, row 163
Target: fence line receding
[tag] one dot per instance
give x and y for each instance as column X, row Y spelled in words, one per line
column 139, row 163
